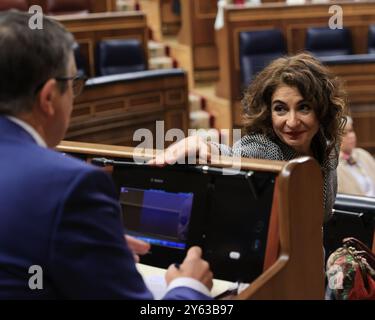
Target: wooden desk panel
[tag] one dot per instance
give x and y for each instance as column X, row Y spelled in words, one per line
column 88, row 29
column 359, row 82
column 364, row 124
column 104, row 5
column 161, row 19
column 112, row 112
column 95, row 5
column 198, row 35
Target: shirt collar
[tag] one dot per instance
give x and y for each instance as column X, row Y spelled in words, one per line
column 349, row 159
column 30, row 130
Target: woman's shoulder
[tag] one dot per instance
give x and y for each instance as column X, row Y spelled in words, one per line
column 362, row 153
column 332, row 161
column 258, row 146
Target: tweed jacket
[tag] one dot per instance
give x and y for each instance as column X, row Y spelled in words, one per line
column 260, row 146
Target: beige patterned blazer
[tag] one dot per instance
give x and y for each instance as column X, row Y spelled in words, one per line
column 346, row 181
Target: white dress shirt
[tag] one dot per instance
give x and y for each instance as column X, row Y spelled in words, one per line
column 362, row 179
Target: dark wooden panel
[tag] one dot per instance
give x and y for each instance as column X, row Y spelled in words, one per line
column 198, row 34
column 364, row 124
column 95, row 5
column 160, row 18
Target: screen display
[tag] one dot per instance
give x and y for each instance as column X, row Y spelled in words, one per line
column 156, row 216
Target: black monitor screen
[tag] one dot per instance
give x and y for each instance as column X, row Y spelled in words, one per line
column 176, row 207
column 156, row 216
column 353, row 216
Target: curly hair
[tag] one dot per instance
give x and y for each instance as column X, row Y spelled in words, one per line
column 314, row 82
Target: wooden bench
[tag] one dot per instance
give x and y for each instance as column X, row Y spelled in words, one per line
column 197, row 51
column 112, row 108
column 293, row 20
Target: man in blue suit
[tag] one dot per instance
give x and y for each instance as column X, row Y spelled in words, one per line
column 58, row 213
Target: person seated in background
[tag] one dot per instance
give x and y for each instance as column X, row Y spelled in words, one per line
column 356, row 169
column 294, row 107
column 59, row 214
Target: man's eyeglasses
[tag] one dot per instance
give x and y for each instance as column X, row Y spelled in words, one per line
column 78, row 83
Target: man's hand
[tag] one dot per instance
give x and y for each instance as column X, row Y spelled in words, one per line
column 193, row 267
column 137, row 247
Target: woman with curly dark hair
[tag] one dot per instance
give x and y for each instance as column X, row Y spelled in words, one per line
column 320, row 99
column 294, row 107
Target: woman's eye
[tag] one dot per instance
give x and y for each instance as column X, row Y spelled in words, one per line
column 304, row 107
column 278, row 108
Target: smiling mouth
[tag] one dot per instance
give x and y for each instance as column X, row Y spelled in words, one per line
column 294, row 134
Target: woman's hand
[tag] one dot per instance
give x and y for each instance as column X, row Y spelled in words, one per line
column 191, row 147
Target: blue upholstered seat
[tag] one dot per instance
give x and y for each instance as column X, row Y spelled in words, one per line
column 328, row 42
column 176, row 7
column 349, row 59
column 371, row 39
column 81, row 63
column 119, row 56
column 257, row 50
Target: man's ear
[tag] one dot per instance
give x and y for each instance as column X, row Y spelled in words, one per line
column 47, row 96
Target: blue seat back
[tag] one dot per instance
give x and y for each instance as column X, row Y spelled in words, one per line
column 119, row 56
column 81, row 63
column 176, row 7
column 328, row 42
column 257, row 50
column 371, row 39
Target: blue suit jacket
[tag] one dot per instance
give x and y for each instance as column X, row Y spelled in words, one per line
column 63, row 215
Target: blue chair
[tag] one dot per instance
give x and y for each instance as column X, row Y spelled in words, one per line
column 81, row 63
column 257, row 50
column 176, row 7
column 371, row 39
column 328, row 42
column 119, row 56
